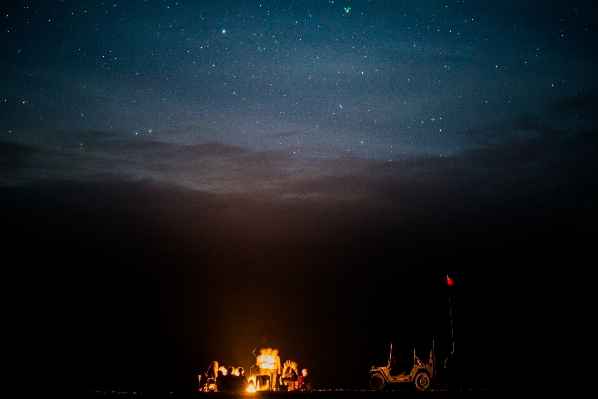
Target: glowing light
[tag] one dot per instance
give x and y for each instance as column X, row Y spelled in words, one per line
column 268, row 363
column 266, row 360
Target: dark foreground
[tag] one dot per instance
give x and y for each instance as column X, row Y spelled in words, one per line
column 333, row 394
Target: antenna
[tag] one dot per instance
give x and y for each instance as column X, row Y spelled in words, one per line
column 449, row 282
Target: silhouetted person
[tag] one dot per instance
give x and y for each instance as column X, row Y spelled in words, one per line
column 212, row 370
column 241, row 380
column 276, row 371
column 229, row 380
column 237, row 382
column 209, row 376
column 220, row 381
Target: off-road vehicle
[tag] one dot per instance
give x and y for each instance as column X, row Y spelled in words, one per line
column 420, row 374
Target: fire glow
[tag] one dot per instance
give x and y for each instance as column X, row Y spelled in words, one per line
column 267, row 360
column 264, row 373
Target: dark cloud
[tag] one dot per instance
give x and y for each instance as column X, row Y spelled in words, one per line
column 14, row 155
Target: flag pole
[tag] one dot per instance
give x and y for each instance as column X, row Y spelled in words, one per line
column 449, row 282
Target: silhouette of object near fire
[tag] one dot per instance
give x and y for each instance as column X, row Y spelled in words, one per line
column 265, row 375
column 218, row 379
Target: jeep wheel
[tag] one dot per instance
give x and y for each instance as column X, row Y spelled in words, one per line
column 377, row 382
column 422, row 381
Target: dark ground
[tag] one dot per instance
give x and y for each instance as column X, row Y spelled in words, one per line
column 103, row 294
column 446, row 393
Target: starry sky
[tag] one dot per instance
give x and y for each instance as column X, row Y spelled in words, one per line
column 185, row 181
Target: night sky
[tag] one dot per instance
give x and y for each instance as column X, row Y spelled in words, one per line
column 185, row 181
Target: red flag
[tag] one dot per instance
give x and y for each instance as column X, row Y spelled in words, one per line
column 449, row 281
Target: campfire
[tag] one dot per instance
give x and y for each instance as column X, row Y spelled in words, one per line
column 266, row 374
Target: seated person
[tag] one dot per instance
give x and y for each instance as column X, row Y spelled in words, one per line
column 220, row 381
column 209, row 375
column 303, row 381
column 212, row 370
column 240, row 381
column 289, row 372
column 229, row 380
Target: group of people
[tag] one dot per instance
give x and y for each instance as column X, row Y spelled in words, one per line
column 269, row 376
column 281, row 378
column 230, row 379
column 291, row 378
